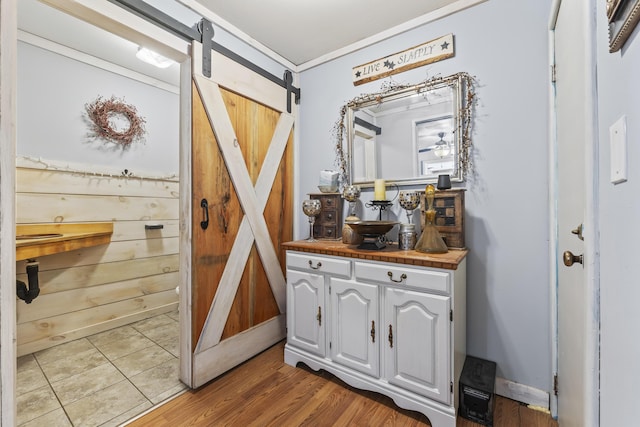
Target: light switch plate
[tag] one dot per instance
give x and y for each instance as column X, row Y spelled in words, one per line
column 618, row 150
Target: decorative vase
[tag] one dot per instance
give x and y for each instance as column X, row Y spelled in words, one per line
column 349, row 235
column 430, row 241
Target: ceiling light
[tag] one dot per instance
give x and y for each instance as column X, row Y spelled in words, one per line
column 442, row 148
column 153, row 58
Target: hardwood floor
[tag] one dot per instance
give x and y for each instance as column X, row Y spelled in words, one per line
column 266, row 392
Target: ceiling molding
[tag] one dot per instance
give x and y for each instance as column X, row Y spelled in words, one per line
column 409, row 25
column 394, row 31
column 237, row 33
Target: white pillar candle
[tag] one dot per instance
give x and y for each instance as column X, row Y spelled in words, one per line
column 379, row 190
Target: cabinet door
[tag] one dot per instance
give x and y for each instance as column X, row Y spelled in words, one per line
column 305, row 311
column 417, row 342
column 354, row 326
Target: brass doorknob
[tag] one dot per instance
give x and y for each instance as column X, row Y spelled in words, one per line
column 569, row 258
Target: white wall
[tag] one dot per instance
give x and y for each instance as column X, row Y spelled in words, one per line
column 52, row 93
column 504, row 45
column 618, row 90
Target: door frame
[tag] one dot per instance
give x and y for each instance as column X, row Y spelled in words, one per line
column 104, row 15
column 8, row 119
column 591, row 226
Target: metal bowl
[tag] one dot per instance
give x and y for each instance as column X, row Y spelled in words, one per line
column 372, row 228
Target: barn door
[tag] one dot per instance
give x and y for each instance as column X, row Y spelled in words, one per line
column 242, row 186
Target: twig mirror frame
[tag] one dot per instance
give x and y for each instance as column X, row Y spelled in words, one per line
column 623, row 16
column 343, row 128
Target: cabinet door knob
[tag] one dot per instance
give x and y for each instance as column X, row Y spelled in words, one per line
column 319, row 316
column 390, row 336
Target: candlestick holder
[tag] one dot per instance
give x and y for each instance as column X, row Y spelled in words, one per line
column 379, row 205
column 351, row 193
column 311, row 208
column 409, row 201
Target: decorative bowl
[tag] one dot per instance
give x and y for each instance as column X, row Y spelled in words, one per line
column 328, row 188
column 351, row 193
column 372, row 228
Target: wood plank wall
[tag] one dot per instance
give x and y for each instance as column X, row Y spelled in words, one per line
column 91, row 290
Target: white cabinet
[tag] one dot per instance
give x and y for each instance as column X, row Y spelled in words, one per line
column 306, row 317
column 417, row 352
column 354, row 325
column 305, row 302
column 388, row 327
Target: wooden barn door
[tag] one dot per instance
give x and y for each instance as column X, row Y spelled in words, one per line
column 242, row 187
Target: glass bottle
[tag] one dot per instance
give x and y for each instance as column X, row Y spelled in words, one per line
column 430, row 241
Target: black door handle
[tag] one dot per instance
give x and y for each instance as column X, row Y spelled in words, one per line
column 205, row 210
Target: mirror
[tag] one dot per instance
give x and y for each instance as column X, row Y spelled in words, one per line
column 410, row 134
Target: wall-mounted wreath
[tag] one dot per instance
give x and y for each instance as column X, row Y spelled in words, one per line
column 103, row 115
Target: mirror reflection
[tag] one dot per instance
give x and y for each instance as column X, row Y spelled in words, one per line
column 409, row 134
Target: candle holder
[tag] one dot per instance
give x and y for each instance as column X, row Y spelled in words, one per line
column 409, row 201
column 351, row 193
column 379, row 205
column 311, row 208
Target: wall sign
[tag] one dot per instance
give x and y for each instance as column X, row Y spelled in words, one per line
column 417, row 56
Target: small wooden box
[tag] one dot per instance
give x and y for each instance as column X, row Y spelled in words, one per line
column 328, row 224
column 449, row 206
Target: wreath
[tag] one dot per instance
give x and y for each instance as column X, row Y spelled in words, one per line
column 103, row 114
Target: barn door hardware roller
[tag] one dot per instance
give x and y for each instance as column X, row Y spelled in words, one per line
column 206, row 30
column 203, row 33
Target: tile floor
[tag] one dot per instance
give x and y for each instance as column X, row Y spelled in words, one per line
column 102, row 380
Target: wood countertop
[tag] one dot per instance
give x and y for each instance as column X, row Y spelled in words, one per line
column 63, row 237
column 391, row 253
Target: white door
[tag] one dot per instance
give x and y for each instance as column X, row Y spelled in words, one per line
column 306, row 315
column 354, row 325
column 417, row 342
column 577, row 357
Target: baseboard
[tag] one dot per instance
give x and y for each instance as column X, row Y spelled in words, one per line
column 522, row 393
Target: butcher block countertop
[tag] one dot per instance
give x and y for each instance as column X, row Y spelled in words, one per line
column 35, row 240
column 391, row 253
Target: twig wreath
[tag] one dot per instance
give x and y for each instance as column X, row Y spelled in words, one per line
column 102, row 114
column 466, row 120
